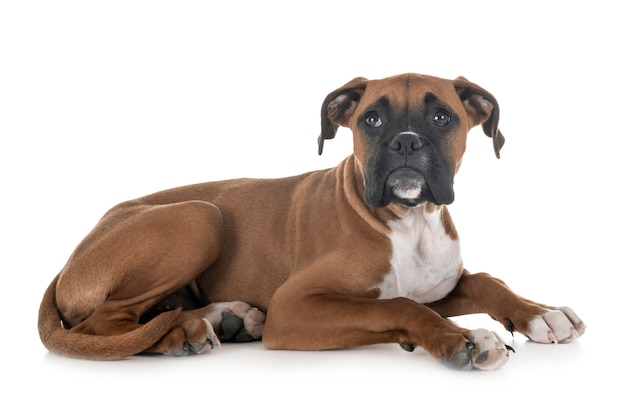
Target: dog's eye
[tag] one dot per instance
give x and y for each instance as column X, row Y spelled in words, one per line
column 441, row 118
column 373, row 120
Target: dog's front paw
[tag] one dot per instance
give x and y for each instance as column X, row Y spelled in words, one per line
column 484, row 350
column 561, row 325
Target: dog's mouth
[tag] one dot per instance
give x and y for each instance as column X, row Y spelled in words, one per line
column 409, row 187
column 405, row 186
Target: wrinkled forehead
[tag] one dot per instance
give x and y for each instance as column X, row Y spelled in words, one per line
column 409, row 91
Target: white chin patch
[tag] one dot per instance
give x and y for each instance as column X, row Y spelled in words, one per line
column 407, row 188
column 407, row 193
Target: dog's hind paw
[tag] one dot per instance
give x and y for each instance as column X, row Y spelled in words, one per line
column 239, row 322
column 201, row 330
column 232, row 329
column 189, row 337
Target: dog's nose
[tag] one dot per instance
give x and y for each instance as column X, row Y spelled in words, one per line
column 406, row 142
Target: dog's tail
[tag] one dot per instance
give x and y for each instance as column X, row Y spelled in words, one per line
column 85, row 346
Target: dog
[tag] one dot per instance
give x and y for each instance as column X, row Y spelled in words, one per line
column 362, row 253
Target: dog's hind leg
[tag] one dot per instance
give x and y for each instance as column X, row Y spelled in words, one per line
column 136, row 256
column 233, row 321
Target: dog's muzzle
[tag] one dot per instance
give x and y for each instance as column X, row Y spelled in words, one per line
column 409, row 170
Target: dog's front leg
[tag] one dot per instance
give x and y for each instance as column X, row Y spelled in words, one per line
column 307, row 317
column 482, row 293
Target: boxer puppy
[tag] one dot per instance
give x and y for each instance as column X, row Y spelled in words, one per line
column 359, row 254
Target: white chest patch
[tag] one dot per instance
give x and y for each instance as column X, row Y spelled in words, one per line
column 425, row 262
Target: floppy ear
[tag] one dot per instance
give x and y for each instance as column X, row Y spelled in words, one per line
column 338, row 107
column 482, row 108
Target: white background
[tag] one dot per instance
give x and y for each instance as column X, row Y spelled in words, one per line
column 106, row 101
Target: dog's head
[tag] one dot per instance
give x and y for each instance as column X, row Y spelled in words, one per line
column 409, row 133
